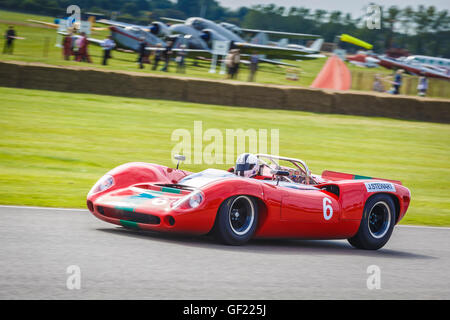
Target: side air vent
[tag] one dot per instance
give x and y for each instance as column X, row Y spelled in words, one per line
column 332, row 188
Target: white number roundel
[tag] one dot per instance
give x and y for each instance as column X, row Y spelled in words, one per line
column 327, row 209
column 159, row 201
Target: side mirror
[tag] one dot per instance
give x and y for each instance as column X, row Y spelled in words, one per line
column 179, row 157
column 279, row 174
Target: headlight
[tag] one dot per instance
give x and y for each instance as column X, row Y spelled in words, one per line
column 192, row 200
column 104, row 183
column 195, row 200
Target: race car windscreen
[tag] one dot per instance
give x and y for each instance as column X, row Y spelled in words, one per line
column 200, row 179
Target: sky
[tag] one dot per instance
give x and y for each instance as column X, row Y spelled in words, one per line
column 355, row 7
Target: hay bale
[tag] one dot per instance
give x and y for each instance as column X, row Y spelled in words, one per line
column 202, row 91
column 259, row 96
column 356, row 103
column 9, row 74
column 306, row 99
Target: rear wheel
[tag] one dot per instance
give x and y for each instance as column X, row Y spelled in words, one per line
column 376, row 225
column 236, row 220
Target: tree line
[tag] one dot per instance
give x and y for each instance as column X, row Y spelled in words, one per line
column 421, row 30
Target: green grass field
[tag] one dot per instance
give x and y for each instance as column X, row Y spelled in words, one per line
column 54, row 146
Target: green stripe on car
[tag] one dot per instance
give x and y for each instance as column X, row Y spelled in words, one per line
column 170, row 190
column 357, row 177
column 129, row 224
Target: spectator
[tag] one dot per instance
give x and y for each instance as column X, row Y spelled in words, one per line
column 82, row 44
column 181, row 55
column 10, row 36
column 229, row 63
column 378, row 84
column 67, row 45
column 253, row 67
column 166, row 55
column 236, row 62
column 422, row 86
column 107, row 46
column 141, row 52
column 157, row 58
column 397, row 83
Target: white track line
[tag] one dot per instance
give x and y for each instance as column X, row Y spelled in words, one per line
column 86, row 210
column 422, row 227
column 42, row 208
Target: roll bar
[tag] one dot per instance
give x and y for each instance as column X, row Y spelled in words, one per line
column 300, row 164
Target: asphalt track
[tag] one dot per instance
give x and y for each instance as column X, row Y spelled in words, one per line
column 37, row 245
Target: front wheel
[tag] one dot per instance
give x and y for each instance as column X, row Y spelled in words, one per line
column 236, row 220
column 376, row 225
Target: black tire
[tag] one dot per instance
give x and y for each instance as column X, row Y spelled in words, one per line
column 377, row 223
column 236, row 220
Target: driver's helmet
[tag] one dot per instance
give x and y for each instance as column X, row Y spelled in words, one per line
column 247, row 165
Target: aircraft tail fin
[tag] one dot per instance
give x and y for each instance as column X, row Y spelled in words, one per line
column 283, row 42
column 260, row 38
column 316, row 45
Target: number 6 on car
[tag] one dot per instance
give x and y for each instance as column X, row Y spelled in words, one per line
column 278, row 198
column 327, row 209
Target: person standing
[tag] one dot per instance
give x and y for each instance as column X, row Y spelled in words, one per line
column 141, row 52
column 229, row 63
column 166, row 55
column 397, row 81
column 180, row 59
column 10, row 36
column 107, row 45
column 422, row 86
column 378, row 84
column 253, row 67
column 83, row 54
column 67, row 46
column 157, row 56
column 236, row 62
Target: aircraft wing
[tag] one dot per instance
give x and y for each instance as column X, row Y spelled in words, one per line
column 281, row 34
column 276, row 62
column 48, row 24
column 55, row 26
column 95, row 41
column 173, row 20
column 310, row 56
column 122, row 24
column 276, row 52
column 191, row 53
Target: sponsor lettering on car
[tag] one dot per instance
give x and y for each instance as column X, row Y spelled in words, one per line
column 379, row 186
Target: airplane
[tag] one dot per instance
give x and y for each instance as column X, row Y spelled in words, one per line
column 363, row 59
column 128, row 39
column 413, row 66
column 429, row 61
column 197, row 35
column 208, row 31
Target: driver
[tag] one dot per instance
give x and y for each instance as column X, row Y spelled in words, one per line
column 247, row 165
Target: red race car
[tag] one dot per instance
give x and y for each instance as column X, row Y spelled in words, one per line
column 263, row 196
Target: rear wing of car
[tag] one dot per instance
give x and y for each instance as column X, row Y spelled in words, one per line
column 335, row 176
